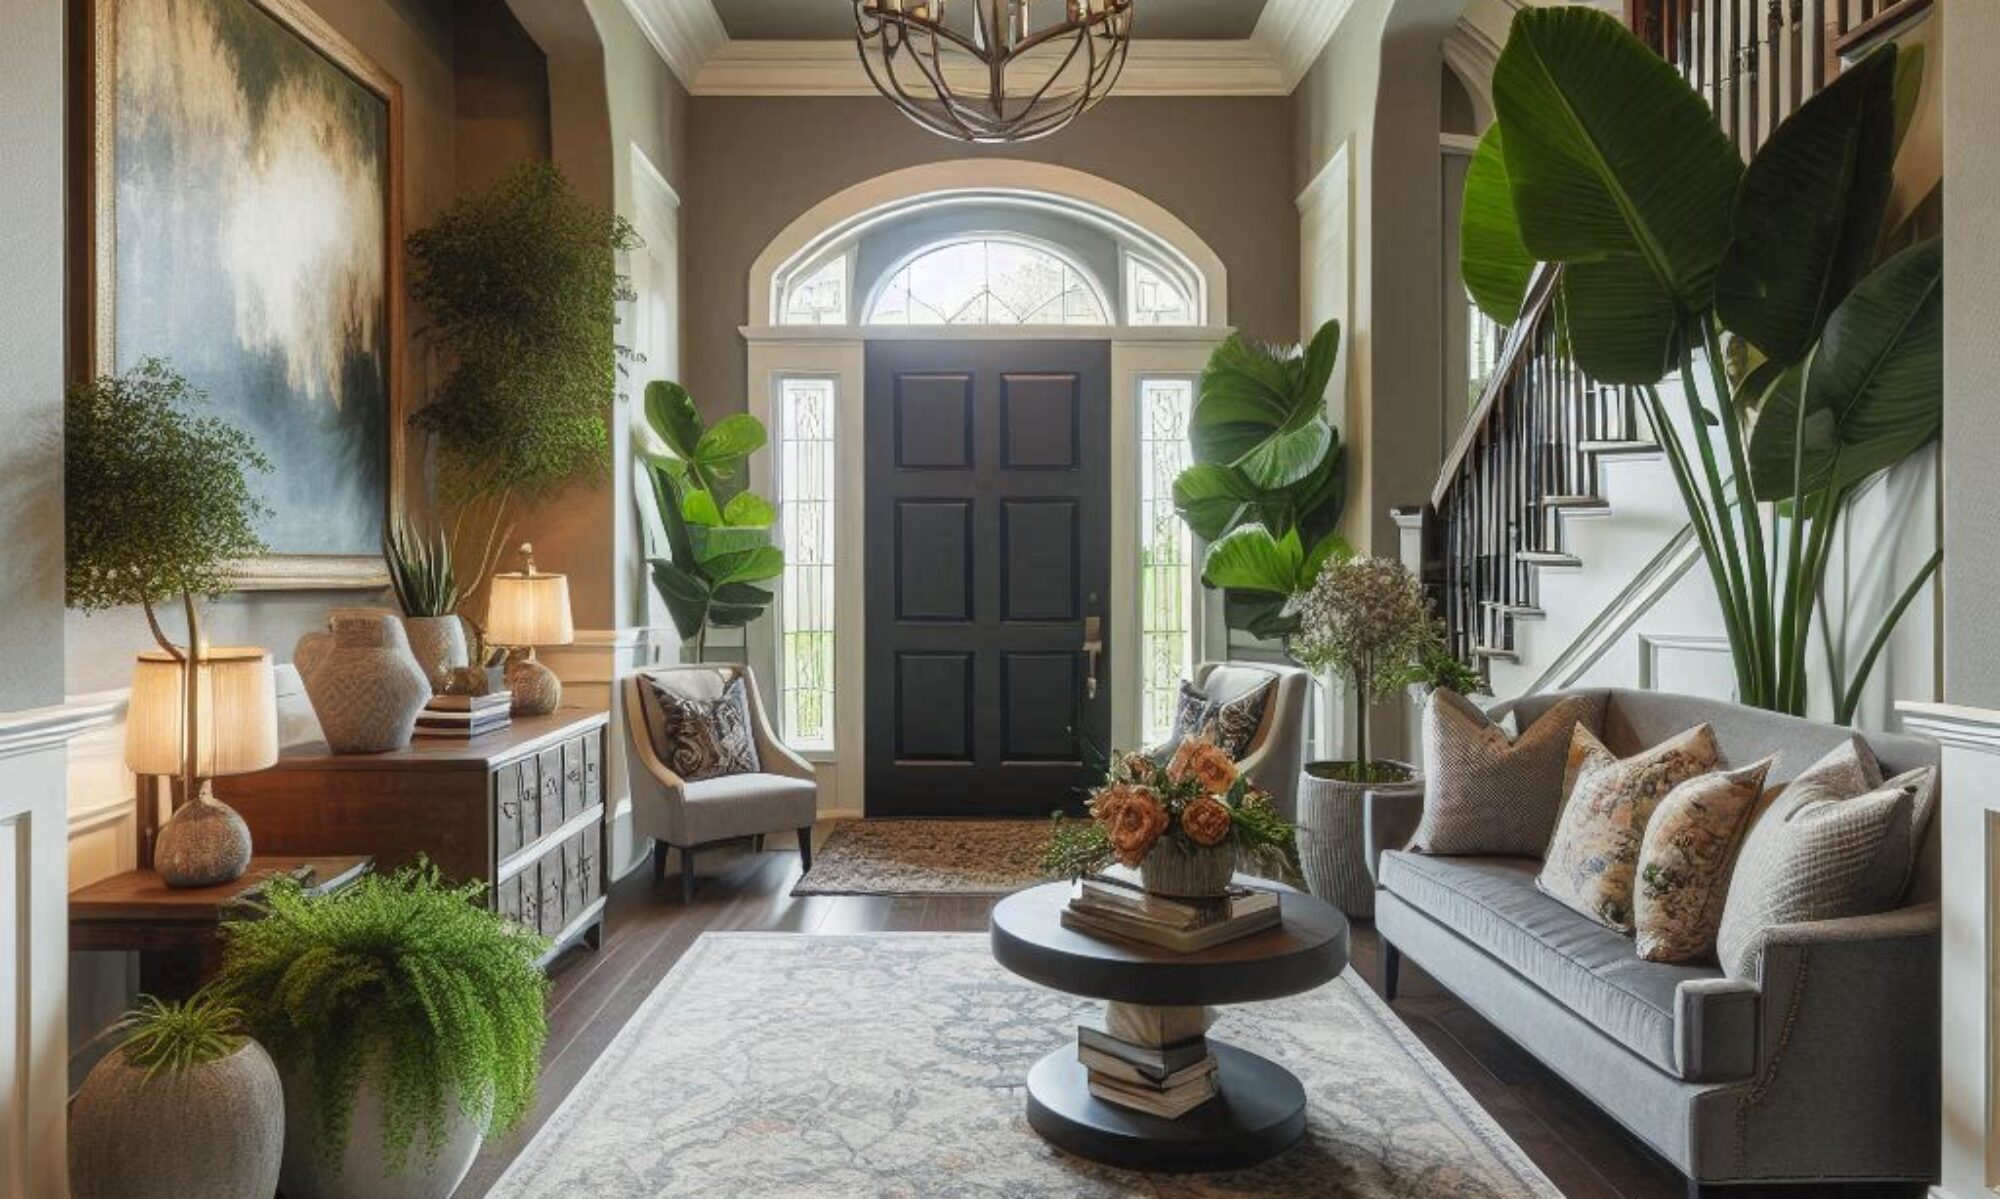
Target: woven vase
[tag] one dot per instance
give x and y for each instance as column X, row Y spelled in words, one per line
column 438, row 644
column 1332, row 848
column 1187, row 872
column 216, row 1130
column 365, row 685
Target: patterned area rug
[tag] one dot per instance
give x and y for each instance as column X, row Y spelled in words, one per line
column 927, row 857
column 888, row 1064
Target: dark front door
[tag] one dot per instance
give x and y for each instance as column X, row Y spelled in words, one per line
column 988, row 540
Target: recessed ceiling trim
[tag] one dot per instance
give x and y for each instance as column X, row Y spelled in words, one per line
column 1293, row 32
column 1152, row 68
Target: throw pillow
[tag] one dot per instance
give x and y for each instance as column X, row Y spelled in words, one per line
column 1685, row 859
column 705, row 738
column 1232, row 724
column 1488, row 792
column 1594, row 856
column 1822, row 852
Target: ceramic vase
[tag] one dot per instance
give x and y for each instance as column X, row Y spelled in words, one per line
column 1185, row 871
column 203, row 844
column 361, row 1169
column 216, row 1130
column 438, row 644
column 365, row 685
column 1332, row 845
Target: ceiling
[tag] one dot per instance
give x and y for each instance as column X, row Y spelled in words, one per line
column 1203, row 20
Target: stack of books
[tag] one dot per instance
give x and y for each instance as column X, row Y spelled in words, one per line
column 462, row 717
column 1111, row 907
column 1168, row 1081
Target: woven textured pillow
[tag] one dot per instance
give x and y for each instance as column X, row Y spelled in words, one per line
column 1486, row 792
column 1594, row 856
column 1685, row 859
column 704, row 738
column 1232, row 723
column 1822, row 852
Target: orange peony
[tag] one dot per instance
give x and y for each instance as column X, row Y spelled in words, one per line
column 1139, row 767
column 1133, row 819
column 1205, row 762
column 1206, row 821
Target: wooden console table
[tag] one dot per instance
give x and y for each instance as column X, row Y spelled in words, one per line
column 521, row 809
column 173, row 929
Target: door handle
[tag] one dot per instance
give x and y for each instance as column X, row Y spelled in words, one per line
column 1093, row 649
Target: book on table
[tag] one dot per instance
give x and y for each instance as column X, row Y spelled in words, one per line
column 1116, row 896
column 1094, row 920
column 1117, row 1069
column 1170, row 1103
column 469, row 703
column 1156, row 1061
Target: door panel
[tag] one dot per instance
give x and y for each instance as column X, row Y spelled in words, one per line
column 988, row 544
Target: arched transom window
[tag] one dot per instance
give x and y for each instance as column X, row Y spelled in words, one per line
column 989, row 281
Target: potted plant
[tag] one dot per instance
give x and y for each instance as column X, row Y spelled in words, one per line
column 426, row 585
column 520, row 287
column 158, row 508
column 1185, row 826
column 1366, row 620
column 184, row 1105
column 1269, row 476
column 718, row 533
column 407, row 1023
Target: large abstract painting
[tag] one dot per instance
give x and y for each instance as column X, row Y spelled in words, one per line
column 248, row 231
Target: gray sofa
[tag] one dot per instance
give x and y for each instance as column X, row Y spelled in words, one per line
column 1824, row 1070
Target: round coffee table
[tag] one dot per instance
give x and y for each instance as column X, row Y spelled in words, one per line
column 1259, row 1109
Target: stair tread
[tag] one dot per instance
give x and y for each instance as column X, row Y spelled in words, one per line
column 1515, row 610
column 1625, row 446
column 1548, row 558
column 1575, row 501
column 1494, row 651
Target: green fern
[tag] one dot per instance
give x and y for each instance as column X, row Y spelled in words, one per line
column 402, row 965
column 173, row 1038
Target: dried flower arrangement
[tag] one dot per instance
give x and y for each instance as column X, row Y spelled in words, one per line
column 1198, row 799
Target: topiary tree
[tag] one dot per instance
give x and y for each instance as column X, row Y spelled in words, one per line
column 1366, row 619
column 157, row 505
column 520, row 288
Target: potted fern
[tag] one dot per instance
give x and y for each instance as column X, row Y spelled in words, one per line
column 184, row 1105
column 407, row 1022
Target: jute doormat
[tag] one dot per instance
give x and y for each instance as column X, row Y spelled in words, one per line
column 928, row 857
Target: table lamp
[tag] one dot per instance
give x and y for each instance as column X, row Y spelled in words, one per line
column 524, row 610
column 204, row 843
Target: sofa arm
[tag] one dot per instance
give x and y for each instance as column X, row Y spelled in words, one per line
column 1715, row 1029
column 1389, row 819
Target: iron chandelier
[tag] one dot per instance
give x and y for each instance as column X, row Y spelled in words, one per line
column 985, row 70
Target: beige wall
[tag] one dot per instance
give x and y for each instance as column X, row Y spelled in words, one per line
column 1971, row 360
column 755, row 164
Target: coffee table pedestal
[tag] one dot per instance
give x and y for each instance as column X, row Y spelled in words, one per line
column 1259, row 1111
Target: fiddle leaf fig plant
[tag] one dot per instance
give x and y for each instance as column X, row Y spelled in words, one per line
column 1269, row 476
column 1807, row 360
column 719, row 543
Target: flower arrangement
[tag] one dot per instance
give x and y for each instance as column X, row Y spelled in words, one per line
column 1197, row 802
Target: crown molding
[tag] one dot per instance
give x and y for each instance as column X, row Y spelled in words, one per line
column 686, row 33
column 828, row 68
column 1294, row 32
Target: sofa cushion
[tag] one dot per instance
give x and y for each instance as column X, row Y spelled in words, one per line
column 700, row 738
column 1493, row 904
column 737, row 805
column 1684, row 863
column 1488, row 790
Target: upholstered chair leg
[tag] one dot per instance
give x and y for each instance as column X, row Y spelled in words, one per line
column 687, row 874
column 659, row 860
column 1701, row 1190
column 757, row 843
column 806, row 848
column 1392, row 965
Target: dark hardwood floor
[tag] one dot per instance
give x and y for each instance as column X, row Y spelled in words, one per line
column 593, row 994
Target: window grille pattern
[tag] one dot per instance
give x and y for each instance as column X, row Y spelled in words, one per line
column 1166, row 554
column 1154, row 299
column 806, row 523
column 821, row 297
column 988, row 282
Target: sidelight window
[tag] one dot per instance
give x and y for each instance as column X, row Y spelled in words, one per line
column 807, row 527
column 1166, row 553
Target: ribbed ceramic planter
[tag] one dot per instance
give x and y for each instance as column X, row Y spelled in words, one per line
column 438, row 645
column 360, row 1171
column 1185, row 872
column 365, row 685
column 216, row 1130
column 1331, row 846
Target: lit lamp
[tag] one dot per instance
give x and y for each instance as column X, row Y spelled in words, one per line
column 204, row 843
column 525, row 610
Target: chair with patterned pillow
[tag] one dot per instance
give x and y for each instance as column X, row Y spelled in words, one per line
column 1258, row 712
column 706, row 767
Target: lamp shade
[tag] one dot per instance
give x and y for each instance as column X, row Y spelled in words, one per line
column 237, row 702
column 529, row 608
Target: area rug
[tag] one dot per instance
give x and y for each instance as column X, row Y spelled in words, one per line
column 927, row 857
column 892, row 1064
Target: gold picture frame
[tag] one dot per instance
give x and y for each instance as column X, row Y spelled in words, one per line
column 98, row 266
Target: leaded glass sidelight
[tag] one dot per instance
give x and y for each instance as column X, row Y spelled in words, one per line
column 807, row 526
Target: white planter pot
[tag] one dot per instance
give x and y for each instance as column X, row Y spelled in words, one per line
column 217, row 1130
column 360, row 1172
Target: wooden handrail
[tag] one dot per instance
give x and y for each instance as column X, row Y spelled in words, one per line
column 1543, row 287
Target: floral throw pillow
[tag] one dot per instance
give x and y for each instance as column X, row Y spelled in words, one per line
column 1594, row 856
column 1685, row 860
column 705, row 738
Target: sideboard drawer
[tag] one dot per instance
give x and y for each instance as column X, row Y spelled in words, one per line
column 551, row 768
column 507, row 899
column 552, row 907
column 574, row 796
column 507, row 815
column 530, row 800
